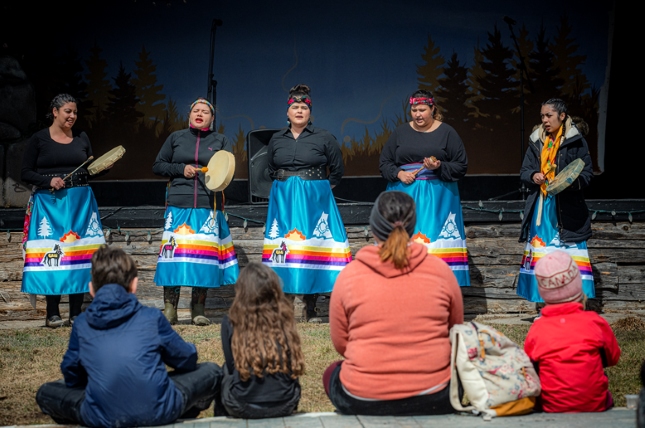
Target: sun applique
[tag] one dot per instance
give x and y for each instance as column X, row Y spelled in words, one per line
column 295, row 235
column 537, row 242
column 70, row 236
column 184, row 229
column 420, row 238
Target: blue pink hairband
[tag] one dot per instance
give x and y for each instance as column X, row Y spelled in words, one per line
column 300, row 99
column 421, row 100
column 203, row 101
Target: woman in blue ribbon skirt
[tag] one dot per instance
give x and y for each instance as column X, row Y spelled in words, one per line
column 425, row 158
column 62, row 224
column 560, row 221
column 305, row 240
column 196, row 248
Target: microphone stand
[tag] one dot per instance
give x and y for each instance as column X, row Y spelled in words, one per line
column 212, row 83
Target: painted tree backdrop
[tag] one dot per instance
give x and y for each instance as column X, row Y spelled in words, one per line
column 478, row 94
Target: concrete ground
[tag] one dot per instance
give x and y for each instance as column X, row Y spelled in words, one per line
column 615, row 418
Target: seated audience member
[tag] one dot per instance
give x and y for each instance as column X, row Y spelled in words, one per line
column 114, row 369
column 569, row 346
column 390, row 316
column 262, row 349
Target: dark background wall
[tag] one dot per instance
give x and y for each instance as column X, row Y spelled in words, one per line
column 44, row 39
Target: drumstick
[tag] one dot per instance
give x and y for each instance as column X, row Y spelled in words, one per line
column 415, row 172
column 79, row 167
column 203, row 169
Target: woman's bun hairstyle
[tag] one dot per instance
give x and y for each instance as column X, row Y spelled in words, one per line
column 300, row 89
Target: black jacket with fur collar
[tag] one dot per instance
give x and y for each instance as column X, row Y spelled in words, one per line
column 574, row 221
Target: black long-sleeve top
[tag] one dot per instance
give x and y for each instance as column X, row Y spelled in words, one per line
column 314, row 147
column 45, row 156
column 270, row 388
column 406, row 145
column 189, row 146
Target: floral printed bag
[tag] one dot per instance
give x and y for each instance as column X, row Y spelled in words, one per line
column 497, row 376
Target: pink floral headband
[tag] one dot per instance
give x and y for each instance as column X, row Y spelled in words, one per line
column 300, row 99
column 421, row 100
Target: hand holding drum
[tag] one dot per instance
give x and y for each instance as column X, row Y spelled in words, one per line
column 566, row 177
column 220, row 170
column 106, row 161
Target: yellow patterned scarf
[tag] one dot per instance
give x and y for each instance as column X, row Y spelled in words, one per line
column 547, row 164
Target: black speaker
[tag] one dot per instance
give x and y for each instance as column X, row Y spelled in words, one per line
column 259, row 180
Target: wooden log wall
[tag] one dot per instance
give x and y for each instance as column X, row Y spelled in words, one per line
column 617, row 252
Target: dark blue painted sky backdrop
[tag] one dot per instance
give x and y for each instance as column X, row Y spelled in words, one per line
column 360, row 58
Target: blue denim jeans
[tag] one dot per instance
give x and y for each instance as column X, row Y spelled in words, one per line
column 198, row 388
column 63, row 404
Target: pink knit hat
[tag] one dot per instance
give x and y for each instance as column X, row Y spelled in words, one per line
column 558, row 278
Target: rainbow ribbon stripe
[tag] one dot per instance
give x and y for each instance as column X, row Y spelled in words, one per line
column 309, row 256
column 456, row 257
column 201, row 251
column 582, row 261
column 74, row 256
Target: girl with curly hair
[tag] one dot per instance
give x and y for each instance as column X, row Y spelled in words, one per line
column 263, row 357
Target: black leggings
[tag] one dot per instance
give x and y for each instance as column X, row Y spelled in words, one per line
column 428, row 404
column 75, row 304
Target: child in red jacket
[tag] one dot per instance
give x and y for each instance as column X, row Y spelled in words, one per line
column 570, row 347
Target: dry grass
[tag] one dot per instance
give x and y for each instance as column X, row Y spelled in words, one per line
column 30, row 357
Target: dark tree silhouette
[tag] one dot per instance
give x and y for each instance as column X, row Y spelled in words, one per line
column 496, row 127
column 452, row 90
column 122, row 104
column 497, row 85
column 474, row 93
column 148, row 91
column 568, row 62
column 176, row 120
column 431, row 68
column 98, row 86
column 545, row 77
column 67, row 77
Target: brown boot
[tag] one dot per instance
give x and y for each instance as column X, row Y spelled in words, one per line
column 170, row 312
column 171, row 301
column 198, row 316
column 197, row 306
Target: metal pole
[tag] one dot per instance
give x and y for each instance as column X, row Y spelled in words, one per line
column 212, row 83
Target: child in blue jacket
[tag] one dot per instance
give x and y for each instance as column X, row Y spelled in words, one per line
column 114, row 369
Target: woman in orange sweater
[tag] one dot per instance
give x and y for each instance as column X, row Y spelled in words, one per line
column 390, row 316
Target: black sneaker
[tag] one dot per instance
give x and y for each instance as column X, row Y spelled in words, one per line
column 54, row 321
